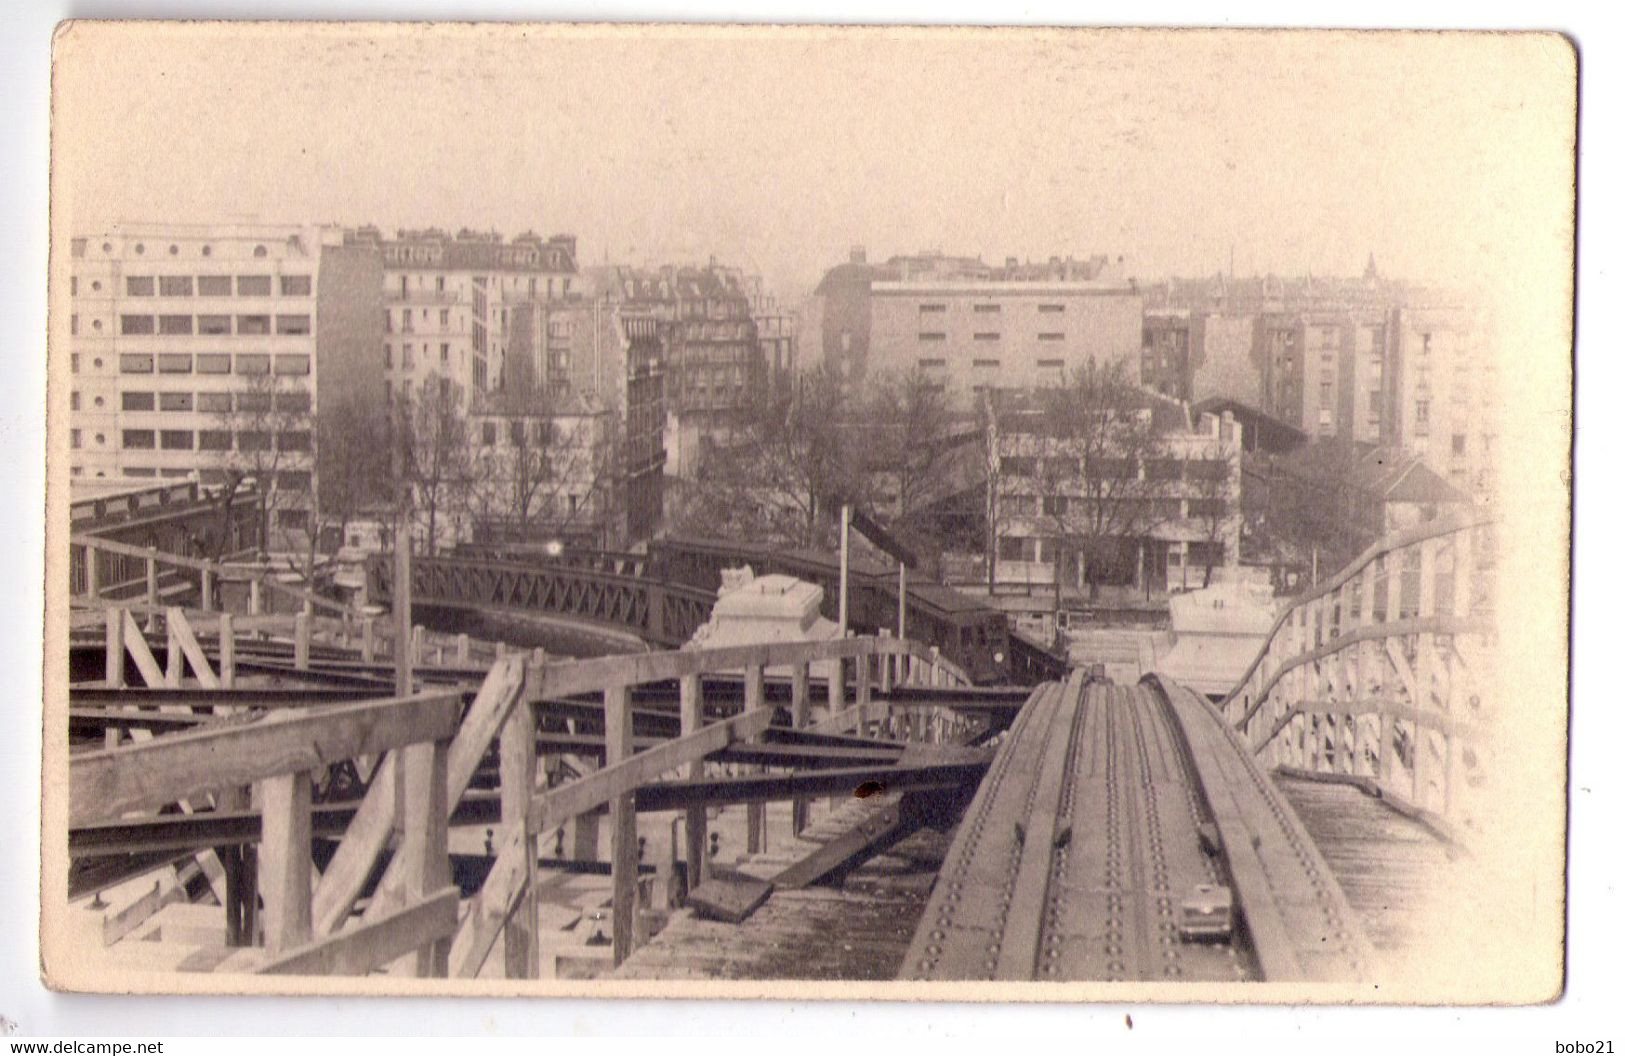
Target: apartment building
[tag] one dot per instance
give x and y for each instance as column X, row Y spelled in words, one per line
column 970, row 327
column 448, row 302
column 196, row 351
column 778, row 333
column 1156, row 518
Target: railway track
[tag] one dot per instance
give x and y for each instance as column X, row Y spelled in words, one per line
column 1086, row 836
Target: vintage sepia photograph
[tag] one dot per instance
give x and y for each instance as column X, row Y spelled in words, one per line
column 940, row 513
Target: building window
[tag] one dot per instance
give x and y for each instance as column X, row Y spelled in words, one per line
column 253, row 402
column 987, row 335
column 131, row 363
column 445, row 353
column 1052, row 335
column 294, row 520
column 1325, row 394
column 933, row 364
column 1051, row 364
column 214, row 440
column 213, row 363
column 1050, row 309
column 985, row 309
column 488, row 433
column 136, row 401
column 253, row 440
column 1018, row 465
column 174, row 324
column 137, row 285
column 253, row 285
column 932, row 309
column 295, row 285
column 1205, row 507
column 293, row 366
column 253, row 324
column 445, row 318
column 73, row 438
column 214, row 402
column 254, row 363
column 406, row 357
column 992, row 364
column 933, row 335
column 299, row 440
column 177, row 440
column 175, row 285
column 292, row 402
column 174, row 401
column 174, row 363
column 293, row 480
column 214, row 285
column 293, row 324
column 139, row 439
column 136, row 324
column 214, row 324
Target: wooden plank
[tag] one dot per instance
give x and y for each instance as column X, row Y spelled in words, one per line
column 691, row 706
column 598, row 788
column 425, row 865
column 353, row 861
column 136, row 645
column 105, row 784
column 798, row 720
column 369, row 946
column 518, row 769
column 755, row 813
column 285, row 865
column 181, row 633
column 623, row 822
column 114, row 649
column 728, row 897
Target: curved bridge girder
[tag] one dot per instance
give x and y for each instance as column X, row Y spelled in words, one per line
column 659, row 613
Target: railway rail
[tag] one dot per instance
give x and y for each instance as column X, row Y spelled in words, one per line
column 1106, row 806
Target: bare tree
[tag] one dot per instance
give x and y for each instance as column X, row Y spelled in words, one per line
column 787, row 467
column 1091, row 460
column 1211, row 493
column 541, row 465
column 353, row 462
column 436, row 459
column 268, row 435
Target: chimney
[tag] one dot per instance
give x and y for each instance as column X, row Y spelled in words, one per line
column 859, row 256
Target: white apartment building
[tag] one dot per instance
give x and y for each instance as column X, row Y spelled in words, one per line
column 193, row 351
column 972, row 335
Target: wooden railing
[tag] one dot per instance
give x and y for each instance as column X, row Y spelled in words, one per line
column 1379, row 677
column 426, row 761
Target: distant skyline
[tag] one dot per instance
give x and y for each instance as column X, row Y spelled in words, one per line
column 777, row 150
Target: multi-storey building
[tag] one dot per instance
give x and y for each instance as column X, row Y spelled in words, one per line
column 714, row 372
column 1159, row 517
column 969, row 327
column 778, row 331
column 448, row 302
column 202, row 350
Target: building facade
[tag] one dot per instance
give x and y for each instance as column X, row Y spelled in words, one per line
column 1182, row 493
column 198, row 351
column 971, row 327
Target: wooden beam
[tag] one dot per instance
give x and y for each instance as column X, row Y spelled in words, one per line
column 180, row 633
column 691, row 706
column 798, row 721
column 521, row 956
column 362, row 949
column 426, row 868
column 285, row 860
column 755, row 813
column 623, row 823
column 136, row 644
column 114, row 649
column 105, row 784
column 353, row 862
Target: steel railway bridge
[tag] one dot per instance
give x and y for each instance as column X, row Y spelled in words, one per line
column 1077, row 814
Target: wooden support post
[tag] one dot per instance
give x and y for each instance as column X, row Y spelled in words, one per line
column 691, row 717
column 885, row 665
column 521, row 956
column 424, row 850
column 417, row 644
column 227, row 648
column 152, row 575
column 798, row 720
column 623, row 824
column 369, row 640
column 205, row 590
column 463, row 651
column 301, row 641
column 401, row 599
column 93, row 586
column 115, row 648
column 255, row 601
column 285, row 848
column 863, row 665
column 755, row 813
column 835, row 695
column 936, row 665
column 174, row 659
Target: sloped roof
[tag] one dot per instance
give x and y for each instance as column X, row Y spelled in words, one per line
column 1395, row 476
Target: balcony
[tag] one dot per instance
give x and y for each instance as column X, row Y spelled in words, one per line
column 395, row 296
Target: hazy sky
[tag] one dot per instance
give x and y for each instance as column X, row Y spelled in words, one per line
column 778, row 150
